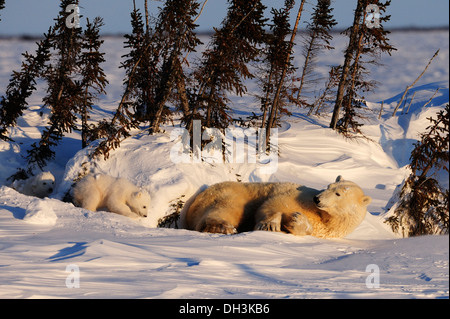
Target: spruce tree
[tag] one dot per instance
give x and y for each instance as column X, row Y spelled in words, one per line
column 277, row 101
column 74, row 79
column 224, row 65
column 22, row 85
column 154, row 72
column 69, row 61
column 140, row 69
column 349, row 53
column 366, row 43
column 154, row 63
column 63, row 91
column 175, row 27
column 423, row 205
column 317, row 37
column 93, row 78
column 275, row 55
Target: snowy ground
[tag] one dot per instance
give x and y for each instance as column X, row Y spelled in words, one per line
column 44, row 242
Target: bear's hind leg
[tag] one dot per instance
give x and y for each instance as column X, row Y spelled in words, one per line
column 90, row 200
column 217, row 226
column 221, row 220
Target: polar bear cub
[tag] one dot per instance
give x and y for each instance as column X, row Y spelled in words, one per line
column 117, row 195
column 40, row 185
column 232, row 207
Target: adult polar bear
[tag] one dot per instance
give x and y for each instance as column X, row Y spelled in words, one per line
column 232, row 207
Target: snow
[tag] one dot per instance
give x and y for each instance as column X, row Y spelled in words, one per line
column 40, row 212
column 116, row 257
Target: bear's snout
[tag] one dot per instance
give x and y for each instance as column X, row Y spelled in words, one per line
column 316, row 200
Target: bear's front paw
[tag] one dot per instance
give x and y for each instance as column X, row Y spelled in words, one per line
column 299, row 225
column 272, row 224
column 219, row 228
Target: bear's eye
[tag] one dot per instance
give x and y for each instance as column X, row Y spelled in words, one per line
column 45, row 183
column 337, row 194
column 144, row 207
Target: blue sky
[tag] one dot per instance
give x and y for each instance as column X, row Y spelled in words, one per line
column 33, row 17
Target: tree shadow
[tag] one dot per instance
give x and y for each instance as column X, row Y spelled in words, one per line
column 78, row 249
column 17, row 212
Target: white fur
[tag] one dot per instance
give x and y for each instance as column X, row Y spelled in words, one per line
column 117, row 195
column 40, row 185
column 346, row 204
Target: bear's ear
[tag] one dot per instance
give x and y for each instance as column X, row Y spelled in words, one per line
column 138, row 194
column 366, row 200
column 339, row 178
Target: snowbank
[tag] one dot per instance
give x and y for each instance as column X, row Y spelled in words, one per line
column 40, row 212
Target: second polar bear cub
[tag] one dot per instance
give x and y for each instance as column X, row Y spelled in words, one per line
column 41, row 185
column 117, row 195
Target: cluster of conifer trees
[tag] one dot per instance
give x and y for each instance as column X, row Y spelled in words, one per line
column 69, row 61
column 160, row 83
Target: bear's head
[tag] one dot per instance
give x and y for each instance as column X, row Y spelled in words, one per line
column 342, row 196
column 43, row 184
column 139, row 203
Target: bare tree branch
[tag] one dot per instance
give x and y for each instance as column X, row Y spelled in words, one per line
column 409, row 87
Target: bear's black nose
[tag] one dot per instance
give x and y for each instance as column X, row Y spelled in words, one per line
column 316, row 199
column 50, row 190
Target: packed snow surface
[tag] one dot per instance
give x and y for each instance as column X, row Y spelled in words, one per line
column 52, row 249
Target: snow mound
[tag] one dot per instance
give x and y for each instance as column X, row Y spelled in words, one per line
column 40, row 212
